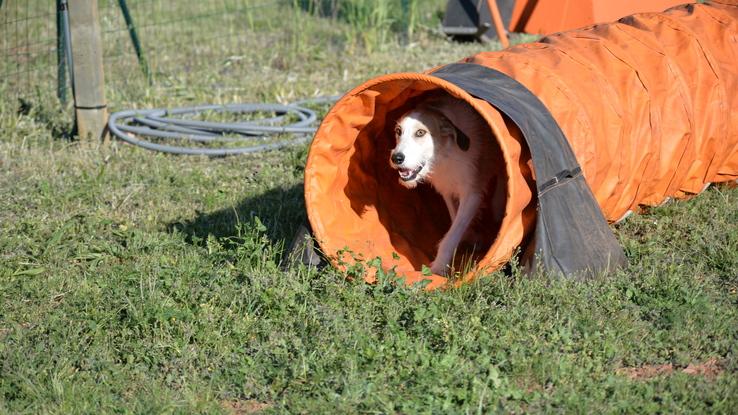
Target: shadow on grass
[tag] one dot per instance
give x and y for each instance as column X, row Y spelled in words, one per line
column 56, row 120
column 281, row 210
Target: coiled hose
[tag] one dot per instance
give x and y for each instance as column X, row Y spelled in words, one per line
column 141, row 127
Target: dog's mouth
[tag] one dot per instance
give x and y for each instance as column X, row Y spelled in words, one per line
column 409, row 174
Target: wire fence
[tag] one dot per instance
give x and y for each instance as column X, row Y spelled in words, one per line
column 167, row 43
column 29, row 62
column 168, row 31
column 141, row 38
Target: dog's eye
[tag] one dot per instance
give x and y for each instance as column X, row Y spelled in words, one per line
column 398, row 131
column 420, row 133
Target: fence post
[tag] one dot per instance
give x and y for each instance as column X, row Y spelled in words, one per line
column 87, row 62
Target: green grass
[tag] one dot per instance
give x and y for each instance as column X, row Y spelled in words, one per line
column 137, row 282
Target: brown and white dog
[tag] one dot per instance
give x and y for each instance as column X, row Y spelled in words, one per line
column 446, row 143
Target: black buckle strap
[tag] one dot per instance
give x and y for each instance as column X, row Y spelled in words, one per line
column 560, row 177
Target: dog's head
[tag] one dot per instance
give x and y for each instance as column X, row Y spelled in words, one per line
column 420, row 136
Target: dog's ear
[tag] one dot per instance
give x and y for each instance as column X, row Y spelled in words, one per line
column 448, row 130
column 452, row 133
column 447, row 112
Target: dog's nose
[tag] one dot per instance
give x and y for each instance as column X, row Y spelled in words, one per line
column 398, row 158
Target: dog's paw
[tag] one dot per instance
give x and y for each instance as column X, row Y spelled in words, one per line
column 439, row 268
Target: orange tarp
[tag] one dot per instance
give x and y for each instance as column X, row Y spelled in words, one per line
column 649, row 105
column 549, row 16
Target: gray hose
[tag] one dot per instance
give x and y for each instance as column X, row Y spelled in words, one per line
column 169, row 124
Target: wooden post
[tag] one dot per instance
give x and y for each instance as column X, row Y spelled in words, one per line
column 89, row 77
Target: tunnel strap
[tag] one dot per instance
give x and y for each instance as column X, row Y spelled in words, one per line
column 571, row 236
column 560, row 177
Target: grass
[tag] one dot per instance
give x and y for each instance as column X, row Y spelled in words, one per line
column 137, row 282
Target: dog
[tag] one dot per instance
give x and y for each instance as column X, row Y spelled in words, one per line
column 443, row 141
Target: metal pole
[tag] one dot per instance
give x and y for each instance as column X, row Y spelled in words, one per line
column 494, row 12
column 68, row 42
column 134, row 38
column 63, row 50
column 61, row 67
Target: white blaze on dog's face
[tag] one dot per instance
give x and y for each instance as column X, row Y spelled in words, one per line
column 419, row 135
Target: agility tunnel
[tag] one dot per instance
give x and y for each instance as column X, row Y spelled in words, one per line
column 589, row 125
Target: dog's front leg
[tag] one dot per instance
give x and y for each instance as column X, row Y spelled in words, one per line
column 468, row 208
column 450, row 205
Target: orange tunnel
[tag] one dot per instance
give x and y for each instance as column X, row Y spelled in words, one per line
column 648, row 104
